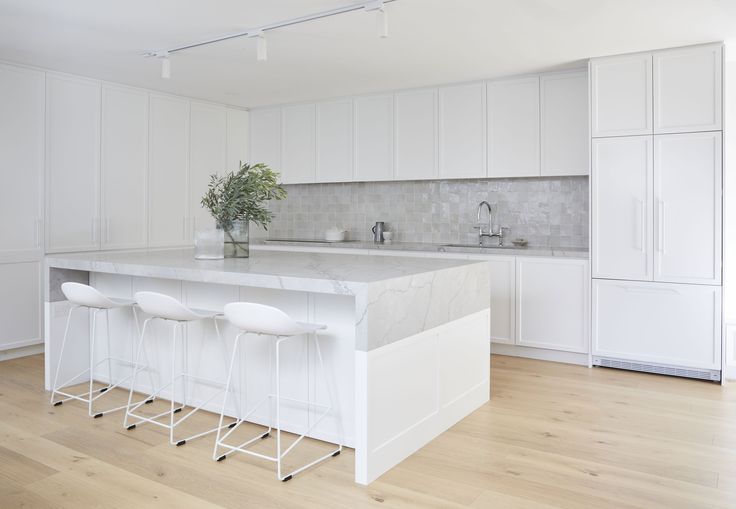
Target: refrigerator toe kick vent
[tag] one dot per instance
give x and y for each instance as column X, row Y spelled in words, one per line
column 660, row 369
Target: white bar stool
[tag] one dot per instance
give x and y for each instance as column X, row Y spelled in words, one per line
column 84, row 296
column 165, row 308
column 272, row 322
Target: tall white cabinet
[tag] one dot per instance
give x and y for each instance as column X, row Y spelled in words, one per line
column 22, row 103
column 207, row 155
column 656, row 210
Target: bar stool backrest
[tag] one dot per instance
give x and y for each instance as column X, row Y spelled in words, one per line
column 261, row 319
column 163, row 306
column 85, row 295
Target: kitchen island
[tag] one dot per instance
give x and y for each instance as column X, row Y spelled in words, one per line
column 406, row 345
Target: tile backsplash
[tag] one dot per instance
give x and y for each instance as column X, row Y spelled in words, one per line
column 548, row 211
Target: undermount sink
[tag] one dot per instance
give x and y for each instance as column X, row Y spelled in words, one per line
column 478, row 246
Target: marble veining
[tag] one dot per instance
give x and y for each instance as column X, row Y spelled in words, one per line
column 395, row 297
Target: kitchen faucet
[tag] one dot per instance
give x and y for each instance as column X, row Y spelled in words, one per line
column 490, row 233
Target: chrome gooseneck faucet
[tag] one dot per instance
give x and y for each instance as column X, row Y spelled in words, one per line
column 480, row 225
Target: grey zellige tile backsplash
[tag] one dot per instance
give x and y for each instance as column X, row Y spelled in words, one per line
column 549, row 211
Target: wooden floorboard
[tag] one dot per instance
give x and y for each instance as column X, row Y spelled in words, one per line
column 552, row 436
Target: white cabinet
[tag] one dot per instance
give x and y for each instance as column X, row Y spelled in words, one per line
column 21, row 160
column 237, row 138
column 621, row 95
column 298, row 147
column 207, row 155
column 503, row 299
column 20, row 308
column 374, row 138
column 167, row 171
column 564, row 123
column 72, row 164
column 513, row 128
column 661, row 323
column 622, row 207
column 687, row 194
column 265, row 138
column 552, row 303
column 416, row 134
column 688, row 89
column 335, row 141
column 462, row 131
column 124, row 168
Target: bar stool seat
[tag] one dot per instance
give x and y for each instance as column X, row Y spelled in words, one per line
column 258, row 319
column 85, row 296
column 168, row 309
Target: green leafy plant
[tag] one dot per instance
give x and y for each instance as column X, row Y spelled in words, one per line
column 242, row 195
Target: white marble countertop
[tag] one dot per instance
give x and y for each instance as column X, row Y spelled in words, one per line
column 399, row 247
column 320, row 272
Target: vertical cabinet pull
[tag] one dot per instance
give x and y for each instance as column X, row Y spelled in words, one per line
column 38, row 234
column 639, row 228
column 107, row 230
column 662, row 225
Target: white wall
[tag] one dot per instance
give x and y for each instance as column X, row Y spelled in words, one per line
column 729, row 212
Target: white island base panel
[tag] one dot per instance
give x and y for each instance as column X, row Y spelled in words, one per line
column 393, row 399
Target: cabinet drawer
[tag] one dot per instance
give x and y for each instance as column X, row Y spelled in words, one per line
column 661, row 323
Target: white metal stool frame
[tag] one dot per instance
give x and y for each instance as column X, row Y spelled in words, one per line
column 311, row 331
column 171, row 426
column 89, row 397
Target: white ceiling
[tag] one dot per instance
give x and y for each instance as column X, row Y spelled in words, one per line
column 431, row 41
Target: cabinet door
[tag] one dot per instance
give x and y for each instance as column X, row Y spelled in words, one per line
column 621, row 95
column 552, row 303
column 416, row 135
column 72, row 164
column 20, row 304
column 663, row 323
column 237, row 139
column 298, row 148
column 564, row 117
column 622, row 207
column 503, row 299
column 687, row 89
column 168, row 156
column 462, row 131
column 687, row 193
column 513, row 128
column 374, row 138
column 265, row 138
column 207, row 155
column 21, row 160
column 335, row 141
column 124, row 169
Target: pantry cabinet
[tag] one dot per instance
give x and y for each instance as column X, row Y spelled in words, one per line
column 72, row 164
column 207, row 155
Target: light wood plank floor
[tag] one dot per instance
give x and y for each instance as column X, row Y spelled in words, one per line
column 553, row 436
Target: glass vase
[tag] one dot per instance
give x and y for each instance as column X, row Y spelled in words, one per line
column 236, row 240
column 209, row 243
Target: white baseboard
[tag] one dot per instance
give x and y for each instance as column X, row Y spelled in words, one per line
column 23, row 351
column 540, row 354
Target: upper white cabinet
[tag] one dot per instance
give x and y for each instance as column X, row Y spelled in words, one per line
column 298, row 147
column 207, row 155
column 622, row 207
column 21, row 159
column 237, row 138
column 513, row 128
column 462, row 131
column 687, row 89
column 552, row 303
column 335, row 141
column 564, row 118
column 374, row 138
column 168, row 169
column 416, row 134
column 621, row 95
column 72, row 163
column 124, row 167
column 265, row 138
column 687, row 211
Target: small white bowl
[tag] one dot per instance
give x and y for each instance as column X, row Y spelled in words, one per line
column 387, row 236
